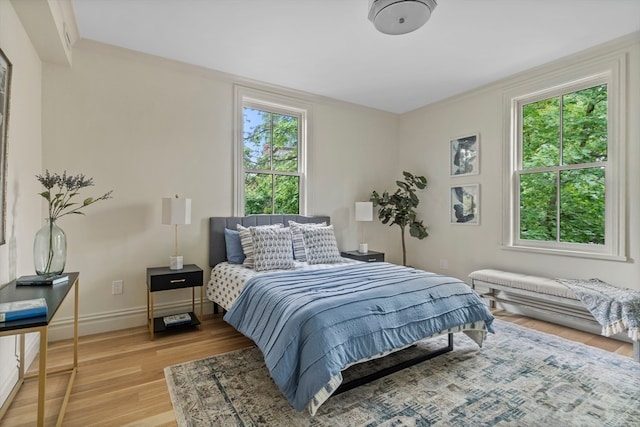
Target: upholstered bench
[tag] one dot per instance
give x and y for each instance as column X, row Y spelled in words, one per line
column 538, row 293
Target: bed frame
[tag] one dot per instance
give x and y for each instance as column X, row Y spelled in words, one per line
column 218, row 254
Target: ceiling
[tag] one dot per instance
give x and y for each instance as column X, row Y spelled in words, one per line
column 329, row 47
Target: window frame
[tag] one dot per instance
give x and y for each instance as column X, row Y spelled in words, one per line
column 279, row 104
column 609, row 71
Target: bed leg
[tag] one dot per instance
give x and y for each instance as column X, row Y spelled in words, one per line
column 215, row 308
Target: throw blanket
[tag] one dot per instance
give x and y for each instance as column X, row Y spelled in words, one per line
column 310, row 325
column 616, row 309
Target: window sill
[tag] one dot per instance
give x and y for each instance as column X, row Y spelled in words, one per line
column 565, row 252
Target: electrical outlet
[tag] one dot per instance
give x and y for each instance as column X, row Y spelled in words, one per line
column 117, row 287
column 444, row 264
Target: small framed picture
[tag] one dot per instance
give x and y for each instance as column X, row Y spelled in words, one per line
column 465, row 204
column 465, row 155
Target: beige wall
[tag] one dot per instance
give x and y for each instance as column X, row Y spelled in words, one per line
column 24, row 147
column 424, row 136
column 150, row 128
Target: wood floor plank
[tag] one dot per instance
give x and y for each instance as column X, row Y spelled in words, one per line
column 120, row 380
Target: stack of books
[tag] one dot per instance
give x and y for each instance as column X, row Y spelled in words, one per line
column 24, row 309
column 41, row 280
column 177, row 319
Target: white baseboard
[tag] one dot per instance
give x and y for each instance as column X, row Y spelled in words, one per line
column 11, row 377
column 115, row 320
column 8, row 366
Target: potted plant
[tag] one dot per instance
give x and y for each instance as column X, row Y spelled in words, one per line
column 399, row 208
column 50, row 244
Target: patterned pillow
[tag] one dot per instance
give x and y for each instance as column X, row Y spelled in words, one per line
column 320, row 245
column 299, row 253
column 272, row 248
column 247, row 242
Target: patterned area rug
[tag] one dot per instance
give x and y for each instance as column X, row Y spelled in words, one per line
column 520, row 377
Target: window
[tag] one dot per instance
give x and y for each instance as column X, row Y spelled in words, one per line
column 270, row 160
column 565, row 170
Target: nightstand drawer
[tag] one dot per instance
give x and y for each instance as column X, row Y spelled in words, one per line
column 162, row 278
column 371, row 256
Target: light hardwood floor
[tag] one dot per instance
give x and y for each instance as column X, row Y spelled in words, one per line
column 120, row 380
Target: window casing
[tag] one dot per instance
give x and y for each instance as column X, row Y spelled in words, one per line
column 270, row 145
column 564, row 222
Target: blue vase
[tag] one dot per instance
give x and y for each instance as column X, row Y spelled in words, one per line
column 50, row 249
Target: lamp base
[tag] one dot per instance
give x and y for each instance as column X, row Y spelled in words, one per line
column 176, row 262
column 363, row 248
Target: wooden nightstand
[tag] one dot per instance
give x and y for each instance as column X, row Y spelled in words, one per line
column 371, row 256
column 164, row 279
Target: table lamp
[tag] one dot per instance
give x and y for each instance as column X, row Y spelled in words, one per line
column 176, row 211
column 364, row 212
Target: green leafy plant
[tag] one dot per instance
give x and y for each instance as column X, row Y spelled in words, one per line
column 399, row 208
column 61, row 189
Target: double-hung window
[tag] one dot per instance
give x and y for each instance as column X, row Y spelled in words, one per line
column 270, row 145
column 565, row 174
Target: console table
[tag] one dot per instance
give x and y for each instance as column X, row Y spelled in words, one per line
column 54, row 295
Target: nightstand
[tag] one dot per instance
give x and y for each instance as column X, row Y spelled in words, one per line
column 164, row 279
column 371, row 256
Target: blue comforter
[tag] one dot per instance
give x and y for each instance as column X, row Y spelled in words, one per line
column 310, row 325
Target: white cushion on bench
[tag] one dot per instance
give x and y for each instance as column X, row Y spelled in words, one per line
column 542, row 285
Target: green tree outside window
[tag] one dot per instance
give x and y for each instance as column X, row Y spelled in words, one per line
column 562, row 176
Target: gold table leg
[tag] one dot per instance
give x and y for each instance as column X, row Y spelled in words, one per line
column 150, row 312
column 42, row 366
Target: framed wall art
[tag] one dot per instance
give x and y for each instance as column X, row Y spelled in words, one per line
column 465, row 155
column 465, row 204
column 5, row 83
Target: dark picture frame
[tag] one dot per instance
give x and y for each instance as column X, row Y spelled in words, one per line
column 465, row 204
column 465, row 155
column 5, row 86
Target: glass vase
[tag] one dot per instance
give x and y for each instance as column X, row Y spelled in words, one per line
column 50, row 249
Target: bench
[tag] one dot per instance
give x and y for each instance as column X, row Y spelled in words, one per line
column 541, row 294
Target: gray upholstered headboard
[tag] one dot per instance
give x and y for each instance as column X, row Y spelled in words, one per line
column 217, row 248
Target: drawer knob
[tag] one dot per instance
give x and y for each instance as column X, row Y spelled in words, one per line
column 178, row 280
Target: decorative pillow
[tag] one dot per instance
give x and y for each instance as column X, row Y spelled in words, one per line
column 247, row 242
column 299, row 253
column 320, row 245
column 234, row 247
column 272, row 248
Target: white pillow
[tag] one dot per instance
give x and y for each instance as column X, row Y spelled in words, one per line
column 247, row 242
column 272, row 248
column 320, row 245
column 299, row 252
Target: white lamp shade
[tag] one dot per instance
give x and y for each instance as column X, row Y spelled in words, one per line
column 364, row 211
column 176, row 211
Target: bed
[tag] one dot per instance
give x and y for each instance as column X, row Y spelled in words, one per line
column 313, row 313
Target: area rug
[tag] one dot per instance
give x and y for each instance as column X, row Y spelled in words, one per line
column 520, row 377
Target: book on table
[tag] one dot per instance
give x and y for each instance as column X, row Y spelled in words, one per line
column 41, row 280
column 16, row 310
column 177, row 319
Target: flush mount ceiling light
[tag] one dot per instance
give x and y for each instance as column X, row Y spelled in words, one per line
column 400, row 16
